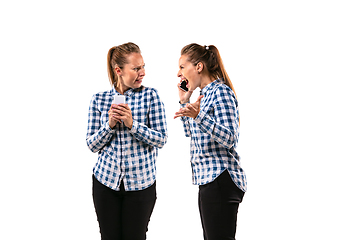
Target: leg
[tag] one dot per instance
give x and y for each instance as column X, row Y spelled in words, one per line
column 201, row 216
column 107, row 204
column 137, row 209
column 218, row 204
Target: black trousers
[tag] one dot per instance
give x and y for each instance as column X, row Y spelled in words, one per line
column 123, row 215
column 218, row 204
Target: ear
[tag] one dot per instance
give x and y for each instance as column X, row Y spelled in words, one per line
column 199, row 67
column 118, row 70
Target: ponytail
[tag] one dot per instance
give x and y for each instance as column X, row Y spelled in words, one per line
column 220, row 71
column 118, row 56
column 111, row 72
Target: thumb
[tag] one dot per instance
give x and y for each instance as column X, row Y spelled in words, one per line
column 199, row 98
column 197, row 103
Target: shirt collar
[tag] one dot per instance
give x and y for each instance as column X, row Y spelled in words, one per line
column 210, row 86
column 129, row 92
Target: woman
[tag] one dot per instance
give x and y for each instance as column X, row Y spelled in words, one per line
column 126, row 137
column 212, row 122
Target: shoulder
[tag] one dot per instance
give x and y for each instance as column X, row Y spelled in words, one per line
column 103, row 94
column 102, row 97
column 223, row 93
column 150, row 92
column 222, row 89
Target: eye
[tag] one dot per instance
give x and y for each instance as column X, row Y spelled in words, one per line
column 139, row 68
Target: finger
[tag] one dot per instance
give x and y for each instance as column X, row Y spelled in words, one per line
column 199, row 98
column 116, row 118
column 191, row 108
column 116, row 111
column 124, row 118
column 198, row 101
column 181, row 111
column 124, row 105
column 178, row 115
column 112, row 114
column 185, row 109
column 114, row 106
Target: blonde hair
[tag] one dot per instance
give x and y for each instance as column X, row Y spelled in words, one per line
column 118, row 56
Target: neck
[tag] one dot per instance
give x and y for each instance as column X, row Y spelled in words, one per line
column 121, row 88
column 205, row 80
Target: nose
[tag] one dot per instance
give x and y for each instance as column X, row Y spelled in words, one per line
column 142, row 72
column 179, row 73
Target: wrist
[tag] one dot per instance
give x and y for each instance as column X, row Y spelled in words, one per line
column 130, row 125
column 112, row 125
column 184, row 101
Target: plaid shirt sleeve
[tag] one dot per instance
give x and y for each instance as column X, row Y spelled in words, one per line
column 186, row 123
column 156, row 134
column 224, row 127
column 97, row 135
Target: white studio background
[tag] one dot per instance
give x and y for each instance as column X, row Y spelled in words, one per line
column 295, row 67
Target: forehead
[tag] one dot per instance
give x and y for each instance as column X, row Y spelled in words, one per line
column 183, row 60
column 135, row 59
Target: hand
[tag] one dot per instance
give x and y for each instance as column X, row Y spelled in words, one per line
column 184, row 96
column 113, row 117
column 118, row 113
column 190, row 110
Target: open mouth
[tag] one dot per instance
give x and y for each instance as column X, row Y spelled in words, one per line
column 184, row 85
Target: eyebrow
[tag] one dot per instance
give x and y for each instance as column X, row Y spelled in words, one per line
column 139, row 66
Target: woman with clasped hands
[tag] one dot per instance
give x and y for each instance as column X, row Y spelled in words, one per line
column 126, row 137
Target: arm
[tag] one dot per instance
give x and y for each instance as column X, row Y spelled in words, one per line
column 186, row 123
column 97, row 135
column 223, row 127
column 156, row 133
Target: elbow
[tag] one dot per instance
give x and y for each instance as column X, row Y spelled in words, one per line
column 229, row 145
column 91, row 147
column 228, row 142
column 163, row 141
column 93, row 150
column 232, row 142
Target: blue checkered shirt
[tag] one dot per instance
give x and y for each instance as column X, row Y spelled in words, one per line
column 123, row 154
column 214, row 136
